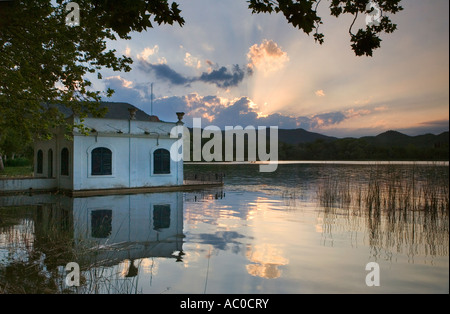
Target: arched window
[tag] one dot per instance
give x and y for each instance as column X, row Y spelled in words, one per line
column 101, row 162
column 64, row 162
column 161, row 161
column 40, row 161
column 50, row 163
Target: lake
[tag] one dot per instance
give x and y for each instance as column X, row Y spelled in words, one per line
column 305, row 228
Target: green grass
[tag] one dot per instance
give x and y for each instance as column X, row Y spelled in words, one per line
column 23, row 171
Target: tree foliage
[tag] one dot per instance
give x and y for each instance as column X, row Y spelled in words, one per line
column 361, row 149
column 302, row 14
column 44, row 62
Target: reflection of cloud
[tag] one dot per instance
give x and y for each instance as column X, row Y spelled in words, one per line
column 269, row 271
column 265, row 258
column 149, row 266
column 221, row 239
column 319, row 225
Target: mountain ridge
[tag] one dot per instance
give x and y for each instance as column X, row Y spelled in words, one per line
column 390, row 137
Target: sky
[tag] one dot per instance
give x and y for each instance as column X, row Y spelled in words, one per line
column 231, row 67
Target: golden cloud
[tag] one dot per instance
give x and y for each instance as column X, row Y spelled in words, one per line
column 267, row 57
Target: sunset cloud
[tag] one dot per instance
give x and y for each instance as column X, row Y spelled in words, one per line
column 231, row 67
column 266, row 57
column 128, row 51
column 147, row 52
column 320, row 93
column 120, row 80
column 192, row 61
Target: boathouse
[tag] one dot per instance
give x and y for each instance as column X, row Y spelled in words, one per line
column 125, row 149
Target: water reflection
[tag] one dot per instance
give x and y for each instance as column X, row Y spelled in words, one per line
column 304, row 229
column 109, row 237
column 396, row 209
column 265, row 260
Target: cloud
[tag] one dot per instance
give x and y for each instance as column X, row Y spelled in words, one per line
column 164, row 72
column 191, row 61
column 221, row 77
column 125, row 91
column 351, row 113
column 147, row 52
column 128, row 51
column 324, row 120
column 266, row 57
column 242, row 111
column 120, row 81
column 320, row 93
column 433, row 127
column 223, row 111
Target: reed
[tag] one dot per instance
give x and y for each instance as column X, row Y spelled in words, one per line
column 40, row 243
column 388, row 188
column 400, row 209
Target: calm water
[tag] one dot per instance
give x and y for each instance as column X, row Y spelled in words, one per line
column 306, row 228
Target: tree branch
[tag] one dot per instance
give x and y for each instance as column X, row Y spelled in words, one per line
column 354, row 20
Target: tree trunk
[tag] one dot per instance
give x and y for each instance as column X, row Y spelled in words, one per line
column 2, row 167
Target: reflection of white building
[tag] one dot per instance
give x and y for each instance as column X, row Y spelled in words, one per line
column 130, row 227
column 125, row 149
column 117, row 232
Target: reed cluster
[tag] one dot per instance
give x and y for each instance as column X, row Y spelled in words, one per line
column 388, row 188
column 399, row 209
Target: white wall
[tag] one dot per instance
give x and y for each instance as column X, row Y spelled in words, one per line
column 132, row 162
column 132, row 155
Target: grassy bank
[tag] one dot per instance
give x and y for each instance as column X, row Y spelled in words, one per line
column 21, row 171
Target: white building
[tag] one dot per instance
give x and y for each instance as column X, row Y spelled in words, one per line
column 125, row 149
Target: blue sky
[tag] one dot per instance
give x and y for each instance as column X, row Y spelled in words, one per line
column 230, row 67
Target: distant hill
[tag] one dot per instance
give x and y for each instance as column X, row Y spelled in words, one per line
column 301, row 136
column 299, row 144
column 390, row 145
column 397, row 139
column 388, row 138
